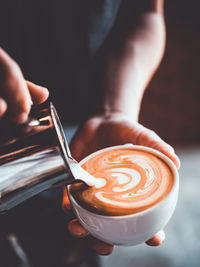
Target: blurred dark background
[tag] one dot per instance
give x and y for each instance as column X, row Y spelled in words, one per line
column 171, row 104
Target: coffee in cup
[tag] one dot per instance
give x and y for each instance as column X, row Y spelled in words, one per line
column 135, row 181
column 139, row 194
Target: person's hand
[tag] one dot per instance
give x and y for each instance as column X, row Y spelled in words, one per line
column 16, row 94
column 103, row 131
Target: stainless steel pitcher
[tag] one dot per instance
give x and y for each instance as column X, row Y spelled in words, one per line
column 32, row 157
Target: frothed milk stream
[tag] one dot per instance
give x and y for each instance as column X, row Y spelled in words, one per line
column 79, row 173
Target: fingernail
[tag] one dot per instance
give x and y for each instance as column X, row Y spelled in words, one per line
column 157, row 240
column 45, row 89
column 81, row 234
column 103, row 251
column 76, row 229
column 103, row 248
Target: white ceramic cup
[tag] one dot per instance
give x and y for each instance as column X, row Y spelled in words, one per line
column 131, row 229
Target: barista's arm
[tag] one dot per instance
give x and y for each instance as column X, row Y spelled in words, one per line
column 17, row 94
column 129, row 58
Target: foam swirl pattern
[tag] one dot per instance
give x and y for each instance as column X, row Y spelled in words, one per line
column 135, row 180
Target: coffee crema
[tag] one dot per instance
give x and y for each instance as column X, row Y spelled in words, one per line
column 135, row 181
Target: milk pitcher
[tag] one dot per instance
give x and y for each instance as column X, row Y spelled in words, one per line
column 32, row 157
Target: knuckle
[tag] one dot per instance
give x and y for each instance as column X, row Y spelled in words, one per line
column 12, row 76
column 13, row 71
column 170, row 148
column 152, row 133
column 15, row 89
column 3, row 106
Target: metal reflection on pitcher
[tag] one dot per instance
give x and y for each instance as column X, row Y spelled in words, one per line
column 32, row 157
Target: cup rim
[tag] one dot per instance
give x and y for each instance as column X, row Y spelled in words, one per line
column 144, row 148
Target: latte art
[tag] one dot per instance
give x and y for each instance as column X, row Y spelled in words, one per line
column 135, row 181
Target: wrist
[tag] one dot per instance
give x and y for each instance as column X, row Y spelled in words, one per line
column 109, row 113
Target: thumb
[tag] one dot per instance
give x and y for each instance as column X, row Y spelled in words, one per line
column 149, row 138
column 39, row 94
